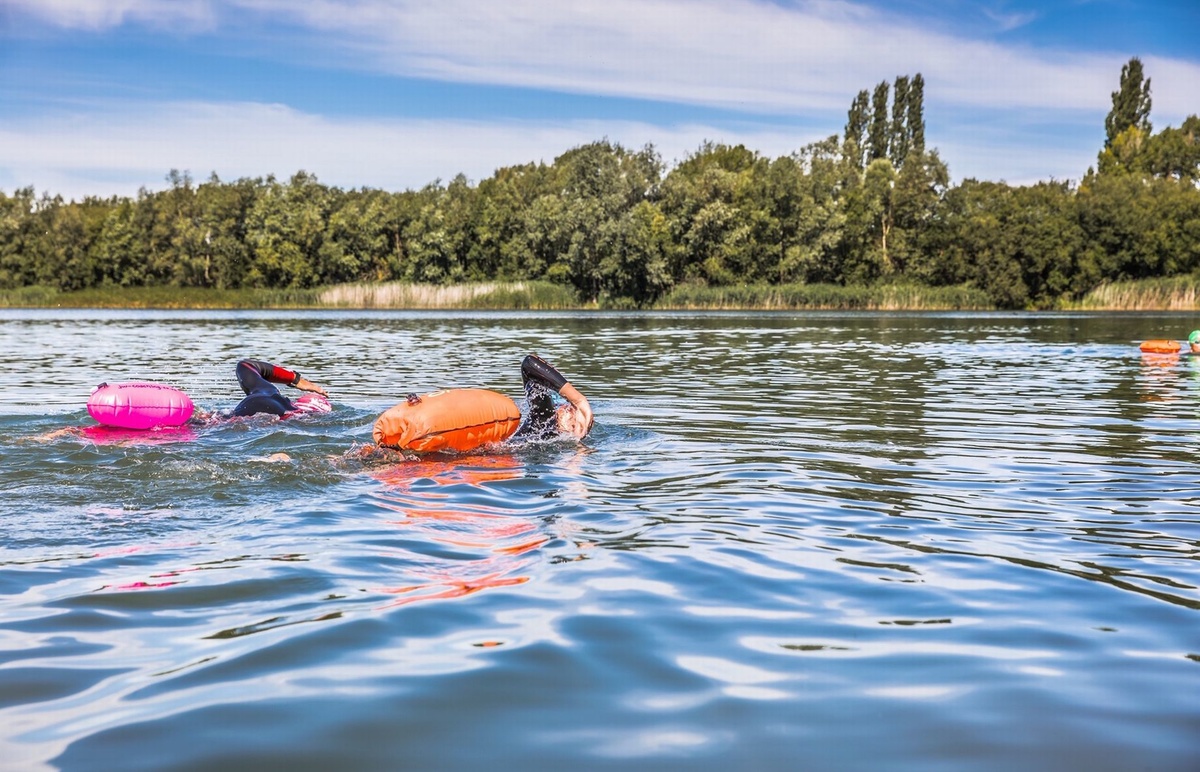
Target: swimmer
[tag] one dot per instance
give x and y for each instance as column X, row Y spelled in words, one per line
column 258, row 379
column 544, row 420
column 1194, row 341
column 464, row 420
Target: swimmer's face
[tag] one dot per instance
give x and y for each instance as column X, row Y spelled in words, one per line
column 571, row 422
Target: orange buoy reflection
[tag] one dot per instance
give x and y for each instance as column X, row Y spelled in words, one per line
column 490, row 547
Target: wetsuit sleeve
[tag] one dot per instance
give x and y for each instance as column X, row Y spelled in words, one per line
column 273, row 373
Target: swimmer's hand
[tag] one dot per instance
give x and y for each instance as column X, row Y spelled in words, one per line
column 305, row 384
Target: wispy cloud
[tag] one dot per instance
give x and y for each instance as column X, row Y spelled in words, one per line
column 1010, row 20
column 749, row 55
column 741, row 54
column 99, row 15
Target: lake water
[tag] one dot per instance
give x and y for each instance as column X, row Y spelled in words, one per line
column 793, row 541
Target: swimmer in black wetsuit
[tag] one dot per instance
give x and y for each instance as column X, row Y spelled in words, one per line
column 544, row 420
column 258, row 379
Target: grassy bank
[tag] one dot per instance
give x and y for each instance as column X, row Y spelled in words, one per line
column 392, row 295
column 826, row 297
column 1178, row 293
column 1175, row 294
column 157, row 297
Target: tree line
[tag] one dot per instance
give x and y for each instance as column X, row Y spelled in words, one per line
column 872, row 206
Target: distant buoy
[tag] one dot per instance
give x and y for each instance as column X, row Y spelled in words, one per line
column 1160, row 347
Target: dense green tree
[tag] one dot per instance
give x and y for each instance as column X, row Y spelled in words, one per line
column 16, row 224
column 62, row 236
column 636, row 270
column 813, row 220
column 969, row 243
column 1174, row 153
column 285, row 229
column 224, row 254
column 1139, row 228
column 119, row 249
column 704, row 200
column 599, row 183
column 356, row 239
column 503, row 236
column 863, row 255
column 440, row 240
column 916, row 200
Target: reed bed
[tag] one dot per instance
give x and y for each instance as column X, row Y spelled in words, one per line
column 826, row 297
column 29, row 297
column 1177, row 293
column 518, row 295
column 1180, row 293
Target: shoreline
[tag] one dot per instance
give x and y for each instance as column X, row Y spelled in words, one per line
column 1178, row 295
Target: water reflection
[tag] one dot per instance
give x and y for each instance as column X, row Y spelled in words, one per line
column 486, row 546
column 460, row 529
column 959, row 525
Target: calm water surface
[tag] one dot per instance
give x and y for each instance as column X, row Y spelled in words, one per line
column 794, row 541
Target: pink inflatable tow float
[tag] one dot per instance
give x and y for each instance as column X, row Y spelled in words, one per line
column 139, row 405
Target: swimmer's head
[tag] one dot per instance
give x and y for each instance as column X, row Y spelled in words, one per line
column 310, row 403
column 571, row 421
column 1194, row 338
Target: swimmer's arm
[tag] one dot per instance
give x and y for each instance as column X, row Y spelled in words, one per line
column 272, row 373
column 54, row 435
column 277, row 374
column 582, row 407
column 305, row 384
column 534, row 368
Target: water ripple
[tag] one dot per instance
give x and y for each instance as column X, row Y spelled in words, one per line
column 980, row 531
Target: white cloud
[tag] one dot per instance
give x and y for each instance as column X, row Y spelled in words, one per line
column 118, row 149
column 757, row 58
column 123, row 148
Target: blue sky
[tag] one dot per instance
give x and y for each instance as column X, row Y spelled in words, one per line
column 102, row 97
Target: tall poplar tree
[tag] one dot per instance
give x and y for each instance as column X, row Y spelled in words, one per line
column 1131, row 103
column 879, row 122
column 856, row 126
column 899, row 141
column 916, row 115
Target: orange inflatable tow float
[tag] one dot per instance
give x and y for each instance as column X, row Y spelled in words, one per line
column 453, row 419
column 1160, row 347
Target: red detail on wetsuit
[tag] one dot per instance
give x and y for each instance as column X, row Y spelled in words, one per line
column 282, row 375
